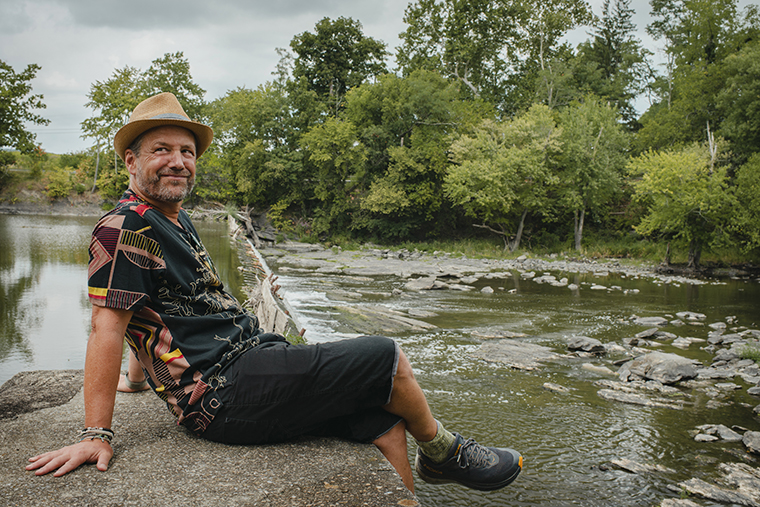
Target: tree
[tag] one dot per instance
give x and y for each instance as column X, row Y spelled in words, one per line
column 506, row 170
column 336, row 58
column 618, row 58
column 593, row 157
column 746, row 223
column 686, row 194
column 171, row 73
column 406, row 125
column 260, row 162
column 739, row 100
column 17, row 104
column 338, row 157
column 491, row 46
column 699, row 35
column 112, row 101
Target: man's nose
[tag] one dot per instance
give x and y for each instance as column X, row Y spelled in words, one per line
column 176, row 159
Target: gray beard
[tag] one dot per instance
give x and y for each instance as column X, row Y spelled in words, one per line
column 171, row 192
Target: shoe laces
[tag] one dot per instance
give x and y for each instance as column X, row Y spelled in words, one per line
column 474, row 454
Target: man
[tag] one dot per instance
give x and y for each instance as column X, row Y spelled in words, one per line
column 152, row 283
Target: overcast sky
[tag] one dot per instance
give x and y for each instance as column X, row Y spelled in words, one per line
column 229, row 43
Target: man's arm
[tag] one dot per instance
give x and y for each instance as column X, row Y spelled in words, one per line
column 101, row 375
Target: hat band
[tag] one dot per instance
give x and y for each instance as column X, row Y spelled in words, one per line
column 169, row 116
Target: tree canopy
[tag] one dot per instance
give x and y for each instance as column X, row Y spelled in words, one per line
column 17, row 106
column 492, row 124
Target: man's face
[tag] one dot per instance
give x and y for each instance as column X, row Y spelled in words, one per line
column 165, row 169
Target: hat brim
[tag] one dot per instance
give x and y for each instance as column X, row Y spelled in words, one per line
column 129, row 132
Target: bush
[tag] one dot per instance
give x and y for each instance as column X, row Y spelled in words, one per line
column 59, row 183
column 113, row 184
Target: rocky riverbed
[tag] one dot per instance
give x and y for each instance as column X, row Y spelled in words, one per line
column 633, row 368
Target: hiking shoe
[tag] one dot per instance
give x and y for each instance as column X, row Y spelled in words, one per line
column 472, row 465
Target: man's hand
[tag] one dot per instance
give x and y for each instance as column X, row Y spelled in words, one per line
column 69, row 458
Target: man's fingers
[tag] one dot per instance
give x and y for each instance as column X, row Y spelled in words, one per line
column 69, row 458
column 103, row 460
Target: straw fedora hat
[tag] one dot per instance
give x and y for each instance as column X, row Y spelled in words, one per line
column 156, row 111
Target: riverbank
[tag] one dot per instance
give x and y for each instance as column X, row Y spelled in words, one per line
column 34, row 203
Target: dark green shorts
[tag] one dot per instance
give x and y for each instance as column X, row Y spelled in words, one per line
column 277, row 391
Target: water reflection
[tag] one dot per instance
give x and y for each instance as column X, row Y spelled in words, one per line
column 43, row 262
column 44, row 309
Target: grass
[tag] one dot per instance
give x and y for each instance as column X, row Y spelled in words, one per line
column 750, row 351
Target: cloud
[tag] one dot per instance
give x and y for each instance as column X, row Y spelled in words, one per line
column 13, row 17
column 173, row 14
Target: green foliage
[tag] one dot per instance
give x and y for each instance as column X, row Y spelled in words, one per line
column 615, row 63
column 506, row 170
column 493, row 48
column 73, row 159
column 277, row 215
column 17, row 104
column 703, row 85
column 59, row 182
column 336, row 58
column 112, row 184
column 739, row 100
column 687, row 193
column 406, row 125
column 746, row 224
column 257, row 132
column 592, row 161
column 338, row 158
column 7, row 159
column 750, row 351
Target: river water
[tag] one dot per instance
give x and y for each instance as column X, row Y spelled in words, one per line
column 567, row 439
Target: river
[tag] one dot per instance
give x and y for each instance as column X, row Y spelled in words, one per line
column 568, row 440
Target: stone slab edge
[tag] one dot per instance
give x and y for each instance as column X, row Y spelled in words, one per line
column 158, row 463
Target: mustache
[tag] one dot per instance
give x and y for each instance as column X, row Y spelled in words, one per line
column 172, row 172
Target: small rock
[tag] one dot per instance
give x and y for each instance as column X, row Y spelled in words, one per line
column 556, row 388
column 597, row 369
column 691, row 316
column 650, row 321
column 751, row 441
column 585, row 344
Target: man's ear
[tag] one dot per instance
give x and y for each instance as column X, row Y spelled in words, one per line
column 130, row 161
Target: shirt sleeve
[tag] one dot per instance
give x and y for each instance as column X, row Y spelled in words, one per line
column 126, row 262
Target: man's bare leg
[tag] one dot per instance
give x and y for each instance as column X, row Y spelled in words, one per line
column 409, row 402
column 393, row 447
column 136, row 375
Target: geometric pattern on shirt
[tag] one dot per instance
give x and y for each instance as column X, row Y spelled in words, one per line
column 141, row 250
column 102, row 248
column 122, row 299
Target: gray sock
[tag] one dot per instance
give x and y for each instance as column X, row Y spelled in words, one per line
column 438, row 448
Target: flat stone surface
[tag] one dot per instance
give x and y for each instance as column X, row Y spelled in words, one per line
column 158, row 463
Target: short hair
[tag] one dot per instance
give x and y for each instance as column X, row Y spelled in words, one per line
column 136, row 145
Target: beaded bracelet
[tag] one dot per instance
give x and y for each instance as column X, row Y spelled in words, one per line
column 104, row 434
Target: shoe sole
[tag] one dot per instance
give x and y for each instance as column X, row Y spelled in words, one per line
column 472, row 485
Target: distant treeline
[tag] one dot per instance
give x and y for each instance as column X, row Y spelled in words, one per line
column 489, row 124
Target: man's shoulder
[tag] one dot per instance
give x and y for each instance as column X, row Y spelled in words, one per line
column 131, row 212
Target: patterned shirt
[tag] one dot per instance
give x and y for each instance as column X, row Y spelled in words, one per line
column 185, row 327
